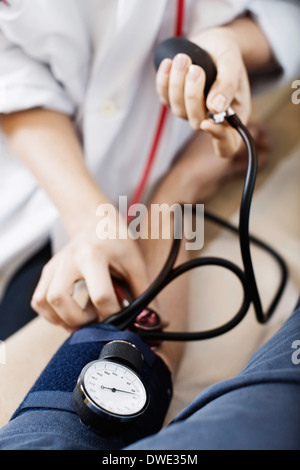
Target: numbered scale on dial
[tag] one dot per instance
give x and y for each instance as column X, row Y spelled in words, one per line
column 115, row 388
column 110, row 392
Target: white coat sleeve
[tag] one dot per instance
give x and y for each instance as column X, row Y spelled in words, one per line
column 26, row 83
column 280, row 22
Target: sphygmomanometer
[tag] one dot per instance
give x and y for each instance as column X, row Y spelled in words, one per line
column 110, row 389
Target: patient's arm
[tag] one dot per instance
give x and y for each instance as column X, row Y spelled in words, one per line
column 27, row 353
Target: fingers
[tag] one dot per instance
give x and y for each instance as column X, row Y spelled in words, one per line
column 180, row 85
column 53, row 298
column 224, row 89
column 178, row 73
column 231, row 88
column 100, row 287
column 194, row 96
column 162, row 81
column 226, row 141
column 55, row 295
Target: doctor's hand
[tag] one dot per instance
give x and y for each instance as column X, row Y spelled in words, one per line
column 180, row 85
column 93, row 259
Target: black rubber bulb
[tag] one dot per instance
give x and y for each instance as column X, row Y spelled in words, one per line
column 173, row 46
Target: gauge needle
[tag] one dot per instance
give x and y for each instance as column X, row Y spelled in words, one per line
column 113, row 389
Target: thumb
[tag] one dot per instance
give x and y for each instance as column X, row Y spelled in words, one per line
column 226, row 84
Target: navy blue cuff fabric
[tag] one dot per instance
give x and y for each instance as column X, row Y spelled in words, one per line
column 48, row 410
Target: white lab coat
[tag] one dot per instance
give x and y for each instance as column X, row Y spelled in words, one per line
column 93, row 60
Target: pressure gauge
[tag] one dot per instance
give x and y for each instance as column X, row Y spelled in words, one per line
column 110, row 392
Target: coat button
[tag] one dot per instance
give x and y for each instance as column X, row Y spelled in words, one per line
column 108, row 108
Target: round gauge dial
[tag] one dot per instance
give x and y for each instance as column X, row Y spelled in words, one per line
column 115, row 388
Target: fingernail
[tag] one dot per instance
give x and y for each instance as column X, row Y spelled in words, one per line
column 194, row 73
column 180, row 62
column 165, row 66
column 219, row 103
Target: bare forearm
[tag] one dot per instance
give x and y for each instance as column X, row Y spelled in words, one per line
column 254, row 46
column 250, row 39
column 47, row 143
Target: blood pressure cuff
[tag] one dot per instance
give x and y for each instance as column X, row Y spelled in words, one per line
column 51, row 395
